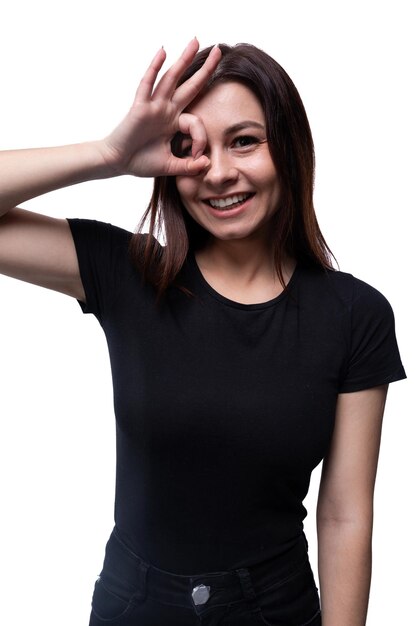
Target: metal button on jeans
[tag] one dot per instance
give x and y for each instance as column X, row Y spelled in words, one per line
column 200, row 594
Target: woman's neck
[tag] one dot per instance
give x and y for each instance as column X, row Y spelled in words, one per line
column 243, row 269
column 247, row 259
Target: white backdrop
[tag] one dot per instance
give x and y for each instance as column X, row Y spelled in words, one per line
column 68, row 73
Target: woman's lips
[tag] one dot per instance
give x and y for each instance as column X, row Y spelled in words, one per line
column 231, row 210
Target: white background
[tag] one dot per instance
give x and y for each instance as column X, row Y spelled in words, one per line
column 68, row 73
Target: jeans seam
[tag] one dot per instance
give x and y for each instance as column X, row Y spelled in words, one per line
column 282, row 581
column 115, row 595
column 310, row 620
column 130, row 604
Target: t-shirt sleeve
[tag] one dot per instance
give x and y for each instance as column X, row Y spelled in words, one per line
column 374, row 358
column 102, row 251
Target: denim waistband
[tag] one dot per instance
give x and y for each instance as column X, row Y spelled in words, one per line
column 122, row 566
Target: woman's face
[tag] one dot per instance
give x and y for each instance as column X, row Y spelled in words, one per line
column 237, row 194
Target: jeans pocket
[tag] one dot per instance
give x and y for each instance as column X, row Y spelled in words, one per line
column 121, row 586
column 293, row 601
column 108, row 606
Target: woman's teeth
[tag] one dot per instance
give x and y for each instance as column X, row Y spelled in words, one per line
column 223, row 203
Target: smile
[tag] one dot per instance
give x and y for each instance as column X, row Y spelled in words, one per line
column 231, row 201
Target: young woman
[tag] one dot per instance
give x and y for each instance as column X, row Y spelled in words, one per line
column 240, row 358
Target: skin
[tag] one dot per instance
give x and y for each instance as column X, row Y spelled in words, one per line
column 39, row 249
column 238, row 257
column 345, row 508
column 240, row 162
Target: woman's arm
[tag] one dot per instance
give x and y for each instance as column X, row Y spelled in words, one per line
column 39, row 249
column 345, row 508
column 140, row 145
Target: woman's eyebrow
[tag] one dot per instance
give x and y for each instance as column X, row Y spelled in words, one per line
column 242, row 125
column 235, row 128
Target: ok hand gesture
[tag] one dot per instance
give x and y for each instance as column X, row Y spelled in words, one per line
column 141, row 144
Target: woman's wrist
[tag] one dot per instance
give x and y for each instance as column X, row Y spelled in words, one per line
column 108, row 163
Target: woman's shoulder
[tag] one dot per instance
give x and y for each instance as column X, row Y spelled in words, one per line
column 361, row 293
column 97, row 229
column 344, row 285
column 97, row 233
column 341, row 292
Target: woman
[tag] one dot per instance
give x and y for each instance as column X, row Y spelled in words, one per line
column 240, row 359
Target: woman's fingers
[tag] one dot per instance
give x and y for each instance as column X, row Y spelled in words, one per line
column 190, row 159
column 186, row 92
column 187, row 167
column 146, row 85
column 195, row 133
column 166, row 86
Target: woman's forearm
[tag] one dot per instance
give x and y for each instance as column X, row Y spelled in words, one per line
column 345, row 565
column 25, row 174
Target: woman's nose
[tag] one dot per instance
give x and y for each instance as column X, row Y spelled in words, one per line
column 221, row 169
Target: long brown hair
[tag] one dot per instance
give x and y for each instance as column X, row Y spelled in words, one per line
column 295, row 229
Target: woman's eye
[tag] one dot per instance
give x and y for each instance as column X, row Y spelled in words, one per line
column 245, row 141
column 185, row 150
column 181, row 145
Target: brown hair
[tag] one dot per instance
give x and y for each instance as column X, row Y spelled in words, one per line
column 294, row 225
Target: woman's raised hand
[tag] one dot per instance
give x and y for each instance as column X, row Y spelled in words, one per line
column 141, row 144
column 39, row 249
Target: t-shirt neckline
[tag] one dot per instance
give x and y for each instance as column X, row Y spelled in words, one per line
column 239, row 305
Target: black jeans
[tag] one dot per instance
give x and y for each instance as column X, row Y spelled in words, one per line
column 131, row 592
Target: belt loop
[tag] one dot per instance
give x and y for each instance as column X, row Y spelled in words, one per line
column 247, row 588
column 143, row 569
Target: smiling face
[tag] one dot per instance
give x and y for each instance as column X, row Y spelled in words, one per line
column 237, row 194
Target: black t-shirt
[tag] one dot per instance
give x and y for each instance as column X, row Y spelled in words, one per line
column 224, row 409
